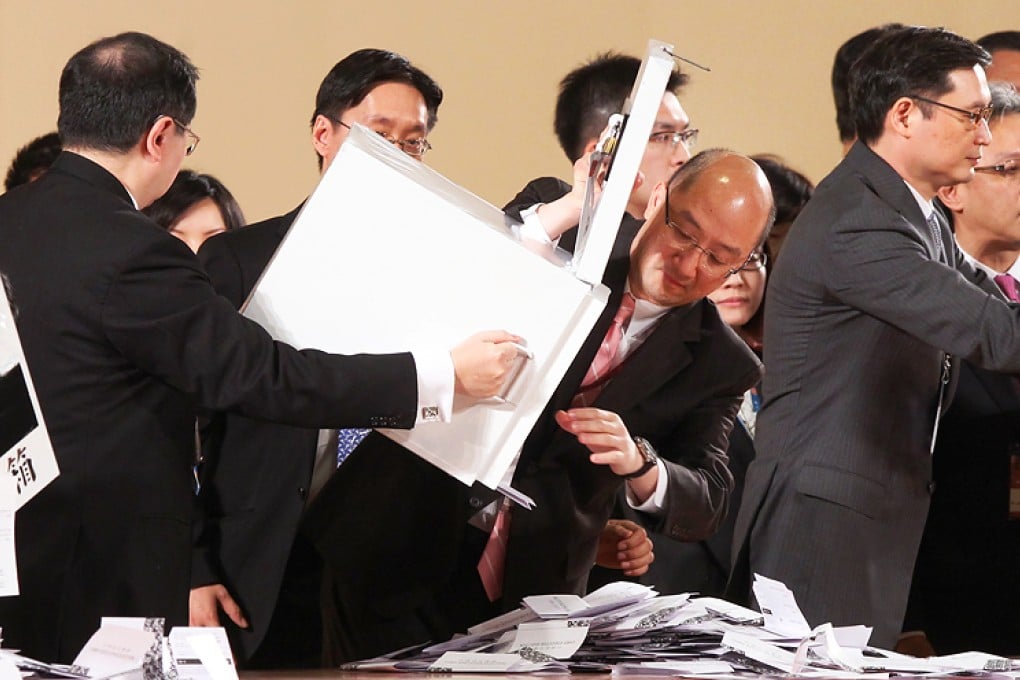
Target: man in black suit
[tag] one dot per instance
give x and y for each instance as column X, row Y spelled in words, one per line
column 409, row 572
column 864, row 313
column 251, row 557
column 970, row 553
column 125, row 338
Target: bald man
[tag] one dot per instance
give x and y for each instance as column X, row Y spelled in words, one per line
column 657, row 420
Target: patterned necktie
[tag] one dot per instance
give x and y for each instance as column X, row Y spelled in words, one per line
column 1009, row 288
column 603, row 363
column 936, row 235
column 493, row 560
column 347, row 439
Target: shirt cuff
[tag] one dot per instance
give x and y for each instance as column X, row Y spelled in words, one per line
column 532, row 228
column 654, row 504
column 435, row 385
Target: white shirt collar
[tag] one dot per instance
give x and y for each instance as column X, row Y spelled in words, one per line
column 1013, row 271
column 927, row 207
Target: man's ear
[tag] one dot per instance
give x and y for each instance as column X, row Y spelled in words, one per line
column 953, row 196
column 655, row 200
column 322, row 134
column 903, row 116
column 589, row 147
column 153, row 144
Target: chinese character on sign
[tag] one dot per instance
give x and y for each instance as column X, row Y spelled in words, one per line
column 21, row 468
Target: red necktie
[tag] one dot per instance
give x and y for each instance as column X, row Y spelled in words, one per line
column 1009, row 288
column 603, row 363
column 490, row 566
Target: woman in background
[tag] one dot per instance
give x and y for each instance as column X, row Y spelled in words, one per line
column 195, row 207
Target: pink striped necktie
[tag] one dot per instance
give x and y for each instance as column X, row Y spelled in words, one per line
column 604, row 361
column 1008, row 286
column 493, row 561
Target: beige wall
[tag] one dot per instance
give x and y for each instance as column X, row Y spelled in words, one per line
column 499, row 63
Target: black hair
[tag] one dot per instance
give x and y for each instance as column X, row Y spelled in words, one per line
column 846, row 55
column 357, row 74
column 112, row 91
column 189, row 188
column 911, row 61
column 790, row 189
column 32, row 160
column 1001, row 40
column 594, row 91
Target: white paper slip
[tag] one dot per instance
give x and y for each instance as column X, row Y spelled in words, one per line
column 503, row 622
column 779, row 608
column 468, row 662
column 8, row 669
column 555, row 606
column 558, row 639
column 154, row 667
column 199, row 653
column 760, row 651
column 616, row 594
column 728, row 610
column 114, row 649
column 656, row 613
column 8, row 555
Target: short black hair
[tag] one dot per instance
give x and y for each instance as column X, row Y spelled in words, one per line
column 189, row 188
column 1001, row 40
column 594, row 91
column 846, row 55
column 914, row 60
column 790, row 189
column 32, row 160
column 357, row 74
column 112, row 91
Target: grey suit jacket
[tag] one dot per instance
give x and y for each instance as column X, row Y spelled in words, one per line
column 859, row 314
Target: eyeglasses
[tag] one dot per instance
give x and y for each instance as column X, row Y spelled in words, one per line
column 1008, row 169
column 709, row 262
column 687, row 137
column 412, row 147
column 973, row 117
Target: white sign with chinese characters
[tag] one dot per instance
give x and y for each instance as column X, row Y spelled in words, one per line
column 28, row 463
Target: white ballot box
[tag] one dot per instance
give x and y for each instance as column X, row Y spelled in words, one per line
column 387, row 255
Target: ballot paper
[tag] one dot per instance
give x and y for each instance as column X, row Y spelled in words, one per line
column 779, row 608
column 113, row 650
column 28, row 463
column 201, row 654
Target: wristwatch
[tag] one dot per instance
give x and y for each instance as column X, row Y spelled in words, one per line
column 647, row 452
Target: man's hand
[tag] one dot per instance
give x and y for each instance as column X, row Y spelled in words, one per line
column 605, row 435
column 205, row 602
column 610, row 443
column 481, row 363
column 625, row 545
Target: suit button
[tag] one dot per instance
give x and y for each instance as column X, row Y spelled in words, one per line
column 475, row 502
column 302, row 492
column 931, row 487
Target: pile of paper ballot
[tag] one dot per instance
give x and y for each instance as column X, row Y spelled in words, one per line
column 629, row 629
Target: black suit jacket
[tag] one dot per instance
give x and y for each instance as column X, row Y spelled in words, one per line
column 256, row 476
column 124, row 336
column 680, row 390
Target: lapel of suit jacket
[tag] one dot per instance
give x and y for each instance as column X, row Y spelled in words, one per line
column 892, row 189
column 662, row 355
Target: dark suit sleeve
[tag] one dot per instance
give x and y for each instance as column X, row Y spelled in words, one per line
column 881, row 266
column 220, row 261
column 161, row 313
column 541, row 190
column 699, row 480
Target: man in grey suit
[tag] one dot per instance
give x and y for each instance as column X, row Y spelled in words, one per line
column 865, row 314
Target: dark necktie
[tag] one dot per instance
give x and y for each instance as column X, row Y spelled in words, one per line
column 1008, row 286
column 936, row 235
column 347, row 439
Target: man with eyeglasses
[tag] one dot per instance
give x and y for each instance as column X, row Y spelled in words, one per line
column 652, row 395
column 125, row 339
column 967, row 565
column 867, row 314
column 588, row 96
column 251, row 560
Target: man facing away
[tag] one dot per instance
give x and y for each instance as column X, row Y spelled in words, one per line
column 251, row 559
column 125, row 338
column 865, row 314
